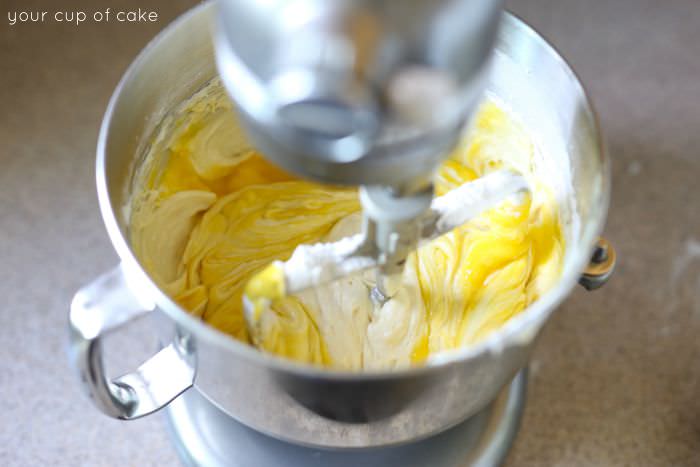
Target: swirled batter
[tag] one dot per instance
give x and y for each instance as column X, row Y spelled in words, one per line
column 209, row 212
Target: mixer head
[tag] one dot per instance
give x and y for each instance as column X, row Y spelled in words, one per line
column 359, row 92
column 356, row 92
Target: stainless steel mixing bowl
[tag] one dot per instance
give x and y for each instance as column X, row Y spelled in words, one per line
column 292, row 401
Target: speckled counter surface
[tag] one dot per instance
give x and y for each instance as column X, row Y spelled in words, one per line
column 616, row 375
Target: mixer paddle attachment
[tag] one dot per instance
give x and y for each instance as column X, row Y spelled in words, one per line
column 320, row 263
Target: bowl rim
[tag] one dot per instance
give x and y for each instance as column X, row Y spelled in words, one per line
column 507, row 335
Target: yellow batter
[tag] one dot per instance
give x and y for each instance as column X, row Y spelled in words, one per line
column 210, row 212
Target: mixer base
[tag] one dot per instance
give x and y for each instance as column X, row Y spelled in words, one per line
column 206, row 436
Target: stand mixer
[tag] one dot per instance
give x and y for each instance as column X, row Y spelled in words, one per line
column 378, row 102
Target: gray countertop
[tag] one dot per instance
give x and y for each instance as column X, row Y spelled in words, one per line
column 615, row 377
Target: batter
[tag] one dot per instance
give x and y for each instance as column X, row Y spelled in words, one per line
column 210, row 212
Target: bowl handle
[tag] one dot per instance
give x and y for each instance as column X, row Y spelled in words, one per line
column 105, row 305
column 601, row 266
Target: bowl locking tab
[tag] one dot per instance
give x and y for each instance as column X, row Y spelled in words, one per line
column 601, row 266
